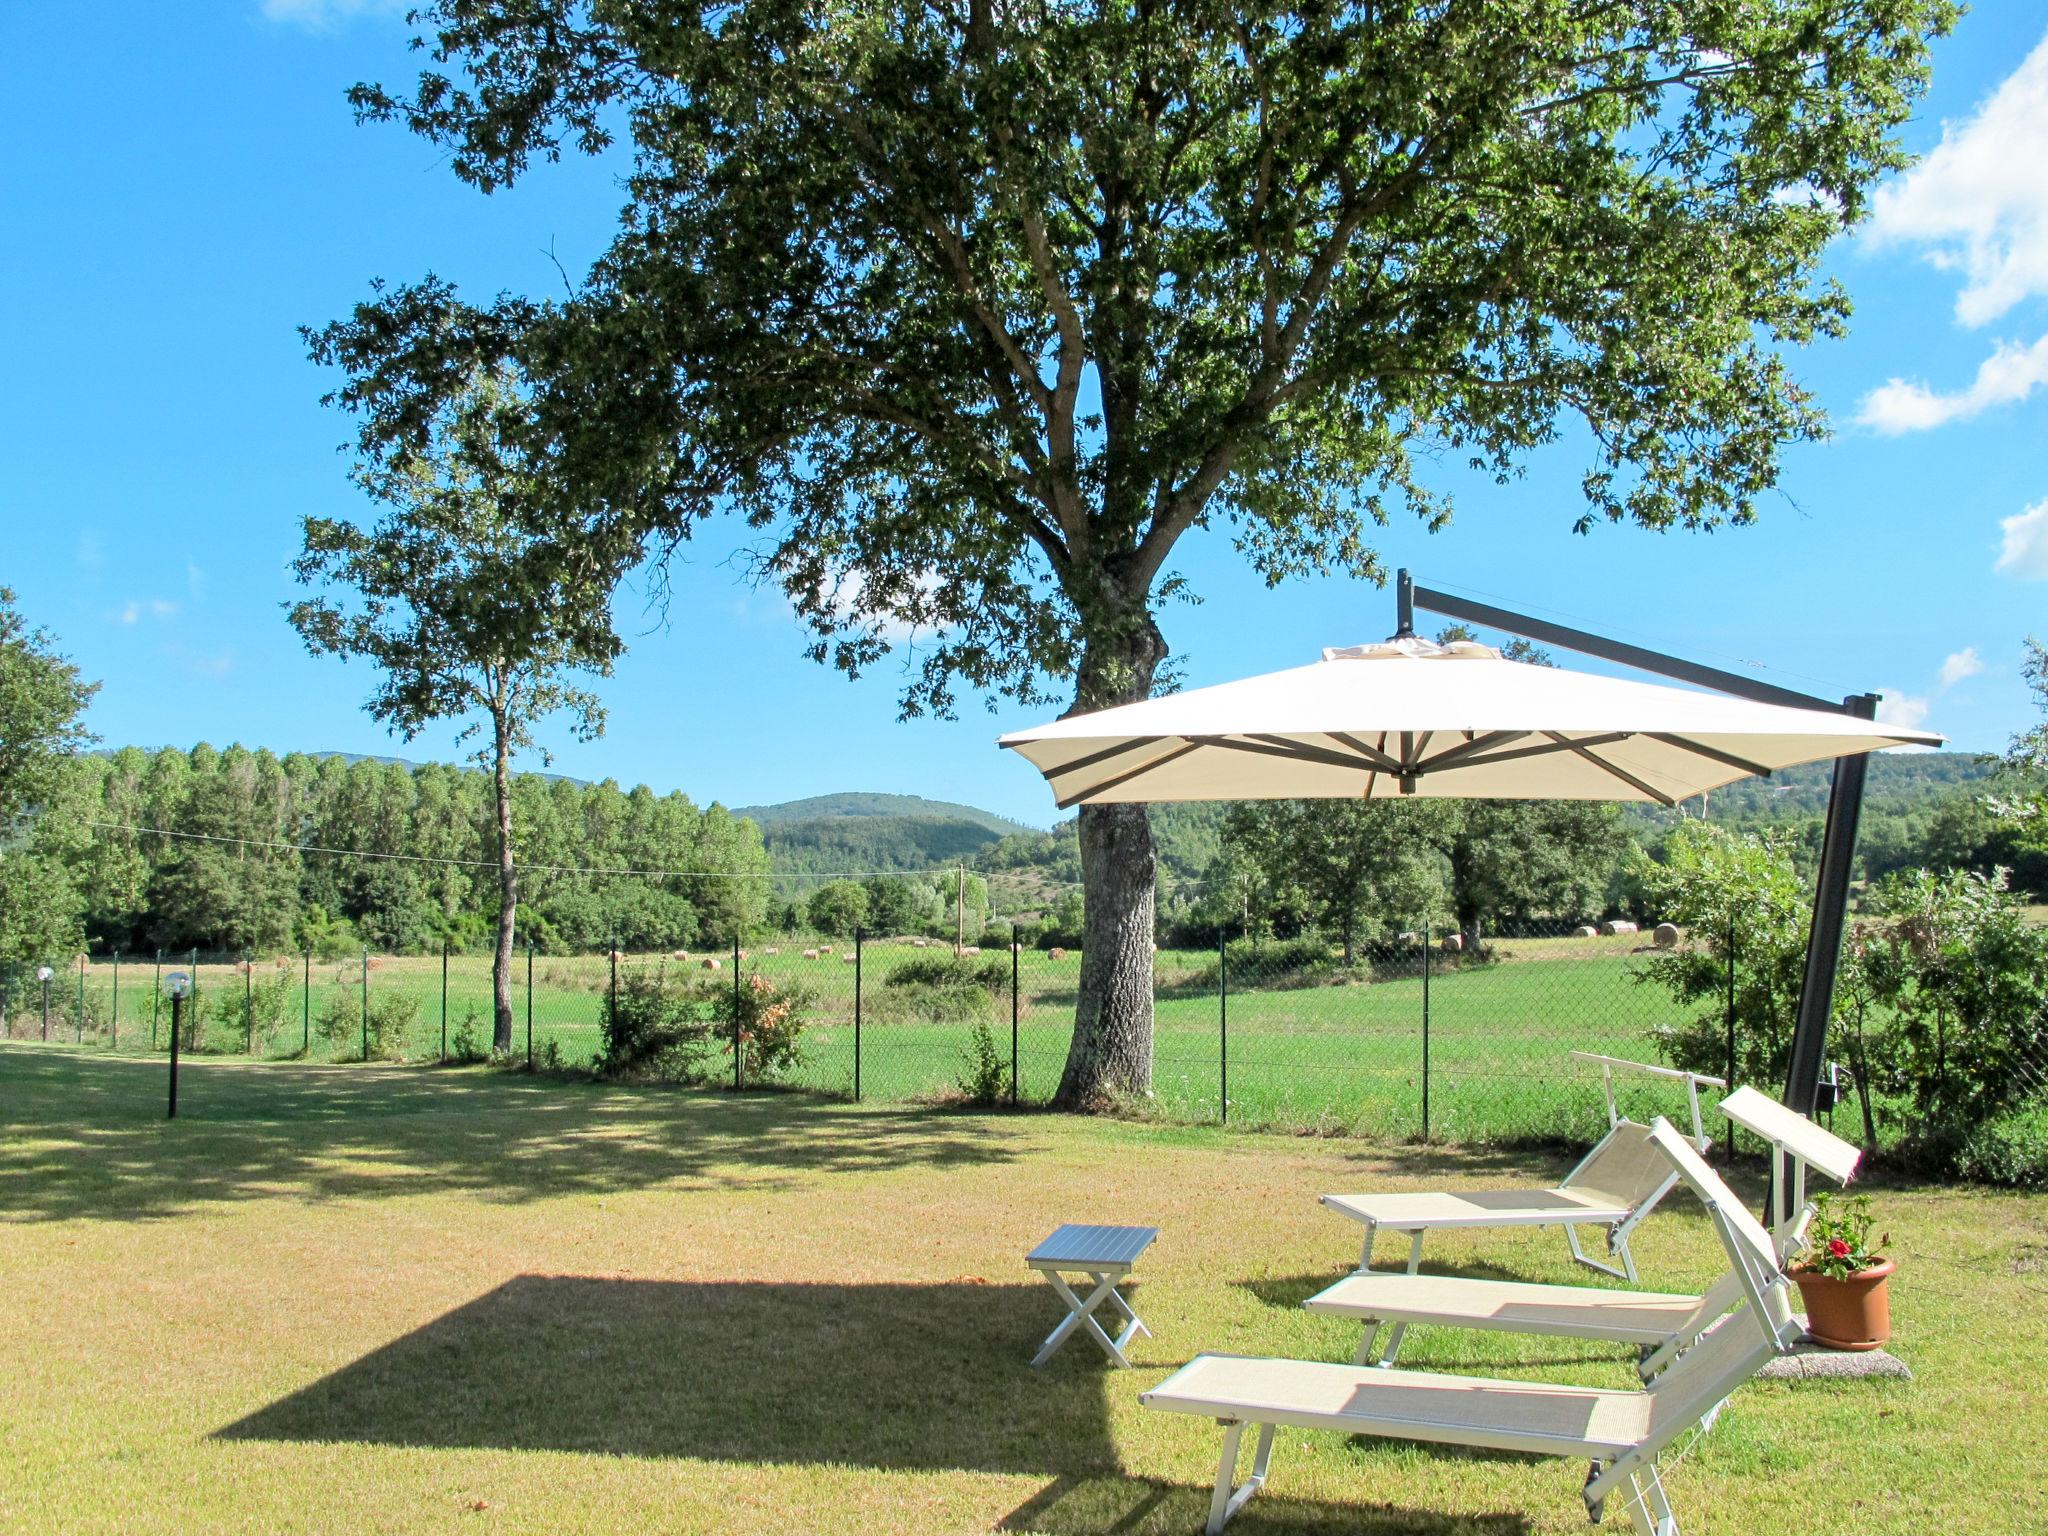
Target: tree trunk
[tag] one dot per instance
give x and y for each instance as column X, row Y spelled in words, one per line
column 1111, row 1054
column 1112, row 1051
column 508, row 890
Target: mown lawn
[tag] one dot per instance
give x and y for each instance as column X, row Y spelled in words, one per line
column 1330, row 1057
column 400, row 1299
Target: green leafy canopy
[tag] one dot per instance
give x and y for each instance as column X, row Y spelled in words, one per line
column 974, row 311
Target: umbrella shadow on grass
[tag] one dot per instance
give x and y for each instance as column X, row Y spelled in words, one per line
column 898, row 1376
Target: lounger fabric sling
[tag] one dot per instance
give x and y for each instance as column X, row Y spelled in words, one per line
column 1616, row 1185
column 1621, row 1432
column 1655, row 1322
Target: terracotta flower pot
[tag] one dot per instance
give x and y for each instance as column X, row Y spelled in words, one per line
column 1855, row 1313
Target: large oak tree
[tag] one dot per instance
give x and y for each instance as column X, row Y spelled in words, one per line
column 976, row 310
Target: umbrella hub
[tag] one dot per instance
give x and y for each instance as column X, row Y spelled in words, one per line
column 1413, row 648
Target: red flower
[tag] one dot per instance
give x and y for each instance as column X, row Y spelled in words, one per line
column 1837, row 1248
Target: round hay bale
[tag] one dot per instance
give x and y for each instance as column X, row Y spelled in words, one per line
column 1453, row 943
column 1615, row 927
column 1666, row 936
column 1585, row 931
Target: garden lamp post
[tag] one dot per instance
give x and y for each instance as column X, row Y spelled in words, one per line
column 43, row 974
column 178, row 984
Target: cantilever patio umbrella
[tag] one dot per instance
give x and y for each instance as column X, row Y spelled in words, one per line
column 1409, row 717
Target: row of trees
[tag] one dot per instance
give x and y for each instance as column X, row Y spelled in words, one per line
column 230, row 879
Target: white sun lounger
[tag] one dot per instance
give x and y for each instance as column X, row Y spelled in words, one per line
column 1657, row 1323
column 1622, row 1433
column 1614, row 1186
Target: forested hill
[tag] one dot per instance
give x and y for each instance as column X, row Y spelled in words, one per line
column 1898, row 783
column 870, row 832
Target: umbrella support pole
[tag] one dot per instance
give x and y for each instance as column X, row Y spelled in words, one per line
column 1845, row 796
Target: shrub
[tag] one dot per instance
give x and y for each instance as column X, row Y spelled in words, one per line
column 1959, row 975
column 942, row 988
column 1280, row 965
column 942, row 968
column 985, row 1078
column 771, row 1020
column 653, row 1027
column 2013, row 1149
column 466, row 1045
column 390, row 1023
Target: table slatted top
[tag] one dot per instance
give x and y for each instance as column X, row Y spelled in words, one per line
column 1081, row 1247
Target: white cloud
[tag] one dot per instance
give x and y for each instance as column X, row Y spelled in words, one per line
column 2009, row 374
column 134, row 611
column 2025, row 551
column 1958, row 665
column 1898, row 707
column 1978, row 203
column 322, row 15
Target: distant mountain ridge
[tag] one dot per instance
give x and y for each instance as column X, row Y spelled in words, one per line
column 875, row 803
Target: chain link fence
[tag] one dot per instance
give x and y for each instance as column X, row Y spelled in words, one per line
column 1412, row 1037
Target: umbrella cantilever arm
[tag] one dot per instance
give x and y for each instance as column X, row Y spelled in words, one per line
column 1845, row 800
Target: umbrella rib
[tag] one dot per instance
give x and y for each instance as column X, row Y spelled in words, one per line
column 1544, row 749
column 1105, row 754
column 1701, row 748
column 1467, row 748
column 1622, row 774
column 1377, row 758
column 1280, row 746
column 1067, row 801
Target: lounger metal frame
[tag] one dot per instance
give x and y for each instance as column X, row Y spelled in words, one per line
column 1695, row 1386
column 1796, row 1144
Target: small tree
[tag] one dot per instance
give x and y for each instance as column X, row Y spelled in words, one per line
column 42, row 697
column 447, row 600
column 839, row 907
column 1729, row 889
column 1353, row 867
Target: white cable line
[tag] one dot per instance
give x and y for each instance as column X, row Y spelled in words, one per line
column 546, row 869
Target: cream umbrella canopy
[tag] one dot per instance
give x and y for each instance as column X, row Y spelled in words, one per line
column 1409, row 717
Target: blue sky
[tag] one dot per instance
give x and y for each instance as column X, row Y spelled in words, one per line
column 184, row 186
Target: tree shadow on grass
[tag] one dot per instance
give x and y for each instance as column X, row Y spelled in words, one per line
column 874, row 1375
column 85, row 1136
column 1142, row 1506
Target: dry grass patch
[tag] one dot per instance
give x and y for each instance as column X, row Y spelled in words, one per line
column 349, row 1299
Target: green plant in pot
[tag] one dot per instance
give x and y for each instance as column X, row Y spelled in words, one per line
column 1842, row 1275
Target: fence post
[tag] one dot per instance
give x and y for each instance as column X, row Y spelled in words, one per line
column 613, row 955
column 156, row 993
column 248, row 1005
column 1730, row 1127
column 1425, row 1030
column 857, row 937
column 366, row 1006
column 1223, row 1023
column 114, row 1038
column 738, row 1076
column 192, row 1030
column 444, row 1000
column 529, row 1007
column 306, row 1009
column 1015, row 1006
column 78, row 1034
